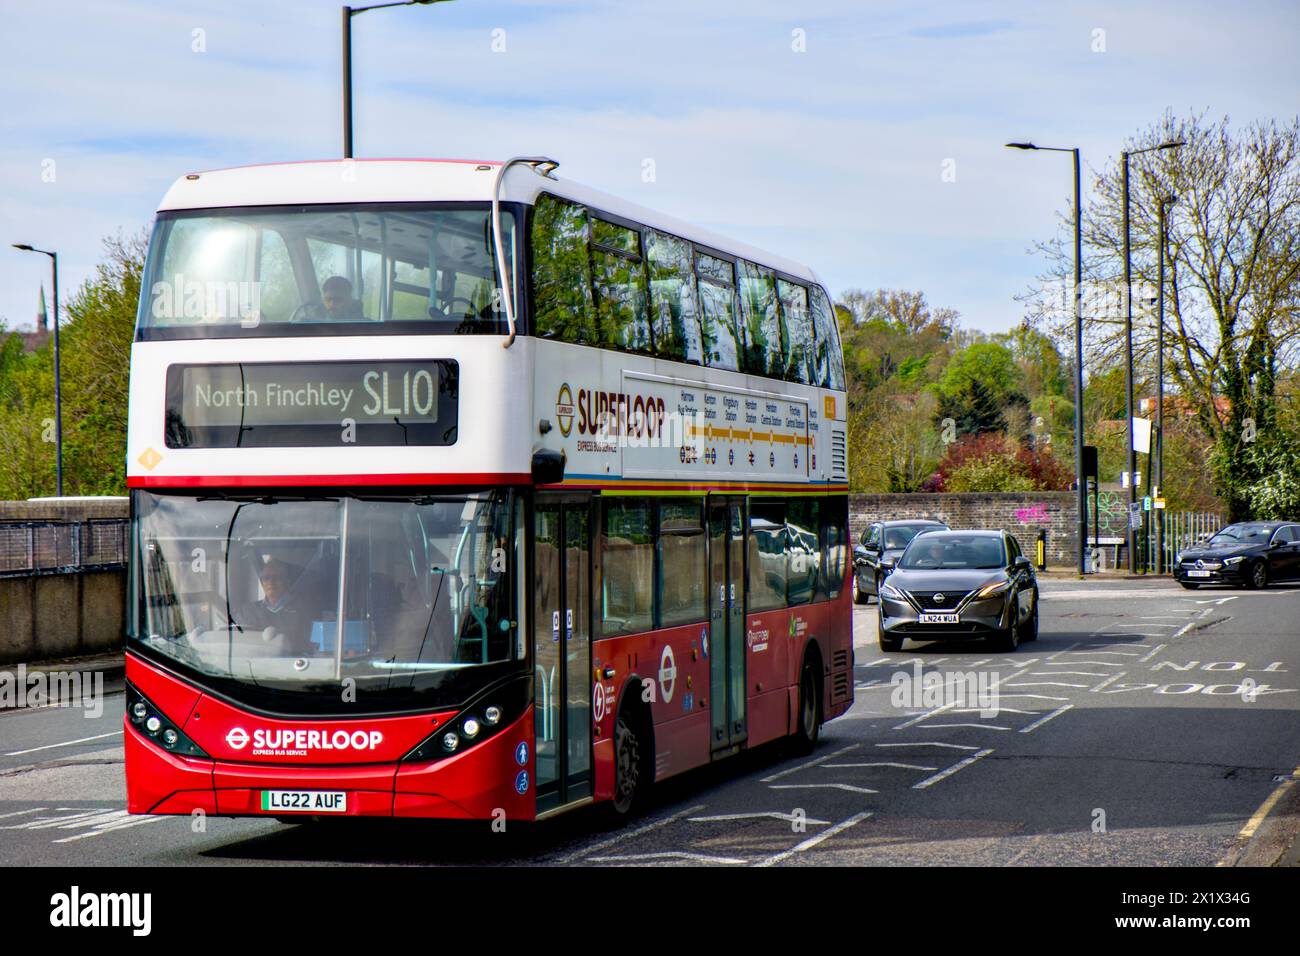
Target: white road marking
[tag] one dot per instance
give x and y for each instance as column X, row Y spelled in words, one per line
column 668, row 855
column 630, row 834
column 877, row 763
column 1109, row 680
column 1033, row 696
column 821, row 786
column 944, row 774
column 811, row 763
column 1065, row 650
column 95, row 822
column 1104, row 593
column 880, row 660
column 1100, row 663
column 931, row 743
column 19, row 813
column 812, row 841
column 1046, row 683
column 1001, row 709
column 1042, row 720
column 111, row 825
column 929, row 713
column 976, row 726
column 1154, row 651
column 66, row 743
column 769, row 815
column 1065, row 674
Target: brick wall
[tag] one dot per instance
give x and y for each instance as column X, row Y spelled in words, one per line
column 1021, row 514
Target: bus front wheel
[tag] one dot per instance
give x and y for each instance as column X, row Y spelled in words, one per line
column 631, row 771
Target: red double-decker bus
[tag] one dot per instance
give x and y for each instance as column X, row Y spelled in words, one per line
column 458, row 489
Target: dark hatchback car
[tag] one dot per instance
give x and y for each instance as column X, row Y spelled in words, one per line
column 883, row 541
column 960, row 585
column 1249, row 554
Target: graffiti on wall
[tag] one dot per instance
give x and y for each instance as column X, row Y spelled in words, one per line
column 1034, row 514
column 1110, row 515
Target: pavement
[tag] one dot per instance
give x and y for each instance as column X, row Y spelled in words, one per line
column 1148, row 725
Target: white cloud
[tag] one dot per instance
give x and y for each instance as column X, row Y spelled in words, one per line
column 832, row 156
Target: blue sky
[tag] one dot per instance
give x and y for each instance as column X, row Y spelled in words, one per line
column 833, row 156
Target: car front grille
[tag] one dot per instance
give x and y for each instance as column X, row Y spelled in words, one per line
column 926, row 599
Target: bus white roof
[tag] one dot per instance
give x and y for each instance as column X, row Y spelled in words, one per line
column 425, row 180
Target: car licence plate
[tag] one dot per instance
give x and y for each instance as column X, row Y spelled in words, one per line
column 304, row 801
column 1198, row 574
column 934, row 618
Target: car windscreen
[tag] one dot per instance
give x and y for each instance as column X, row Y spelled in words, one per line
column 1242, row 534
column 900, row 536
column 952, row 553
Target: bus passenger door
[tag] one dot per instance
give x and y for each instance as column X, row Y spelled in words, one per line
column 562, row 650
column 727, row 622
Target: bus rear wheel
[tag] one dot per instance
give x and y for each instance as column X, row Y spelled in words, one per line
column 809, row 726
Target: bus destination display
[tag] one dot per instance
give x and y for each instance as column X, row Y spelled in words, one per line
column 312, row 404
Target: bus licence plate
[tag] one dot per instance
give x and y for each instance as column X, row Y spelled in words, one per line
column 934, row 618
column 304, row 801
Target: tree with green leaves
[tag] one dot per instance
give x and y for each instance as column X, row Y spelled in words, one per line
column 95, row 347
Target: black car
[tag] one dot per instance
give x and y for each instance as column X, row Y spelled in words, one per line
column 883, row 541
column 1249, row 554
column 960, row 585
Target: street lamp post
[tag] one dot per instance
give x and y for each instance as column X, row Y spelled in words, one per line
column 58, row 396
column 1079, row 479
column 1160, row 387
column 348, row 14
column 1131, row 457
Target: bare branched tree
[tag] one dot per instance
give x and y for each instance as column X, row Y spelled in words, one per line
column 1232, row 276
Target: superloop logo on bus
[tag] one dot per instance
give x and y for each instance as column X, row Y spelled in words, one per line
column 290, row 742
column 605, row 421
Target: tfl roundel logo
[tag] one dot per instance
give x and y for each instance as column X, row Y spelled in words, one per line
column 237, row 738
column 564, row 410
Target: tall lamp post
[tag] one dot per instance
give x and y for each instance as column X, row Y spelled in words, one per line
column 348, row 14
column 1079, row 479
column 58, row 397
column 1160, row 385
column 1131, row 457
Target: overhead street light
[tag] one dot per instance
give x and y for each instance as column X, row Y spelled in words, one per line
column 58, row 397
column 348, row 14
column 1079, row 478
column 1131, row 458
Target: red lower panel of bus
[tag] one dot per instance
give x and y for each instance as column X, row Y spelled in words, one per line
column 481, row 782
column 677, row 661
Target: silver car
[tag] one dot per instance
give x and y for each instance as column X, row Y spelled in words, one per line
column 960, row 585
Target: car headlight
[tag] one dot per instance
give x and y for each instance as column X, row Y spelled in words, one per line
column 889, row 591
column 990, row 590
column 1237, row 560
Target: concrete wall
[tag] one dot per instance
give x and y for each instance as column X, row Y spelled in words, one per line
column 1020, row 513
column 48, row 616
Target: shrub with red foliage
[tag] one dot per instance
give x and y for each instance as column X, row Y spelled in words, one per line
column 1046, row 471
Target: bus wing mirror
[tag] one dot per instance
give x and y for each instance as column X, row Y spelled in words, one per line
column 548, row 466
